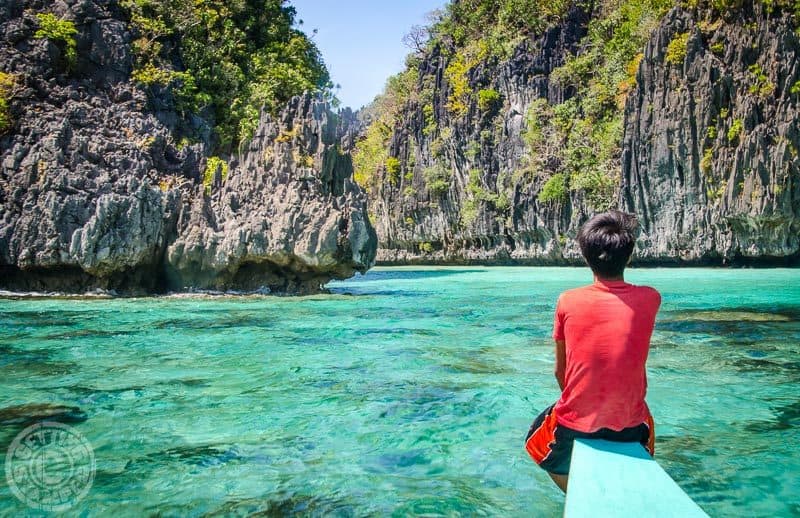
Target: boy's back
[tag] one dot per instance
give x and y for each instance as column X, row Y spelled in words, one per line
column 602, row 336
column 607, row 327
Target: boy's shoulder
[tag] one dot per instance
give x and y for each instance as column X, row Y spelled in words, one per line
column 648, row 291
column 580, row 293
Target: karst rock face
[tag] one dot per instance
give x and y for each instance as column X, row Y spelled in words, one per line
column 710, row 159
column 95, row 193
column 288, row 212
column 489, row 212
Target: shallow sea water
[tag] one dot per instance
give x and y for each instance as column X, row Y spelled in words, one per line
column 407, row 391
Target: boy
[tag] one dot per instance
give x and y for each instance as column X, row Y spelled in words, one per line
column 602, row 334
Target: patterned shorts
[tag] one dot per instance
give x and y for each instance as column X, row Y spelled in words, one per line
column 550, row 443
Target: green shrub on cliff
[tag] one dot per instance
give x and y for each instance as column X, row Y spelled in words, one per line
column 60, row 31
column 488, row 99
column 456, row 76
column 554, row 189
column 761, row 86
column 214, row 165
column 371, row 154
column 8, row 83
column 437, row 179
column 497, row 22
column 578, row 142
column 236, row 57
column 737, row 126
column 676, row 49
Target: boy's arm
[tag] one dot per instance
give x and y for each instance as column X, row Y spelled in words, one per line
column 561, row 362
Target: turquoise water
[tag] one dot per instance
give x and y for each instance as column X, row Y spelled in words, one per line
column 405, row 391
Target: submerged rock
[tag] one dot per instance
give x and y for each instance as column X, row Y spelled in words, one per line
column 24, row 415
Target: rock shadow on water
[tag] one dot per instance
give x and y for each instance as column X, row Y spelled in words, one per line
column 48, row 319
column 728, row 320
column 757, row 364
column 287, row 504
column 391, row 462
column 14, row 419
column 414, row 274
column 787, row 417
column 200, row 455
column 38, row 362
column 216, row 319
column 359, row 291
column 456, row 497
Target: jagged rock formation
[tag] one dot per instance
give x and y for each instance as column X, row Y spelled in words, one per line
column 288, row 216
column 708, row 157
column 489, row 211
column 710, row 162
column 94, row 192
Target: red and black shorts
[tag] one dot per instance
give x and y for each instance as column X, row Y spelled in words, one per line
column 549, row 443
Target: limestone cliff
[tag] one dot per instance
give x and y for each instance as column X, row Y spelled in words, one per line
column 694, row 129
column 710, row 162
column 96, row 193
column 465, row 190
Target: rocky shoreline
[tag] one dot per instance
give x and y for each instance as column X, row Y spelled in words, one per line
column 95, row 193
column 98, row 193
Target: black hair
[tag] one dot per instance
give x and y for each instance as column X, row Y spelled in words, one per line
column 606, row 242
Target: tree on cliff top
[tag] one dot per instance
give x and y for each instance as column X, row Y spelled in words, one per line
column 224, row 60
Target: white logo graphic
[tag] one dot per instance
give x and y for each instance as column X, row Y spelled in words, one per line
column 50, row 466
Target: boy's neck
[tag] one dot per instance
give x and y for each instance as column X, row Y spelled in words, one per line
column 597, row 278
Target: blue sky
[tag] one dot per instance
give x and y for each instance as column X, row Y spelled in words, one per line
column 361, row 40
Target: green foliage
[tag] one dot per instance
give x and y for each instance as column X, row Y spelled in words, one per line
column 737, row 126
column 370, row 154
column 761, row 86
column 676, row 50
column 720, row 6
column 430, row 120
column 437, row 179
column 716, row 193
column 236, row 58
column 479, row 193
column 554, row 189
column 468, row 212
column 8, row 83
column 302, row 159
column 706, row 162
column 460, row 91
column 57, row 30
column 792, row 6
column 488, row 99
column 498, row 24
column 795, row 89
column 717, row 48
column 537, row 117
column 393, row 169
column 425, row 247
column 578, row 143
column 214, row 165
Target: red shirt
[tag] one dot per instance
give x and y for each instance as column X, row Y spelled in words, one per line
column 607, row 328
